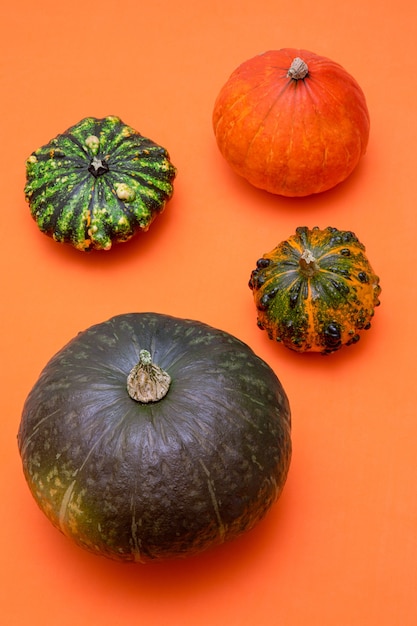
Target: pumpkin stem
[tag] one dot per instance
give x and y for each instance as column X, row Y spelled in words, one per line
column 298, row 69
column 98, row 167
column 308, row 264
column 147, row 382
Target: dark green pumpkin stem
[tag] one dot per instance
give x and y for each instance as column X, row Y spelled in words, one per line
column 98, row 167
column 147, row 382
column 308, row 264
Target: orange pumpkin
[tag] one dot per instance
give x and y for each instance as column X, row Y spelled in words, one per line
column 291, row 122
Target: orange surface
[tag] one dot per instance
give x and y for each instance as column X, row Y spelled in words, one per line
column 340, row 547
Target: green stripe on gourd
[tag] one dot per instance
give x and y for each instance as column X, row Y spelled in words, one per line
column 98, row 183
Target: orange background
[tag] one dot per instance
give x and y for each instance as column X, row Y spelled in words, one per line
column 340, row 547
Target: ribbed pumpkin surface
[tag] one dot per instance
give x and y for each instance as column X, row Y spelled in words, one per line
column 315, row 291
column 98, row 183
column 287, row 132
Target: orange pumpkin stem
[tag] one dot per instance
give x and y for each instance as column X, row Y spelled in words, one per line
column 298, row 69
column 308, row 264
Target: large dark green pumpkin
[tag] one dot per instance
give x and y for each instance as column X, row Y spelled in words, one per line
column 148, row 479
column 98, row 183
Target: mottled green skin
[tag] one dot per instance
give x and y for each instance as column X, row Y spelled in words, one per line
column 318, row 308
column 135, row 481
column 73, row 206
